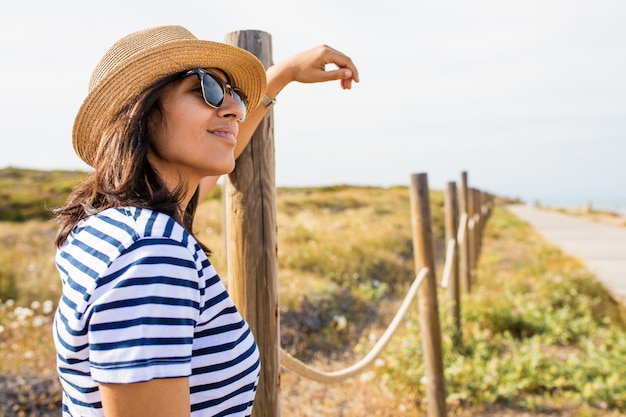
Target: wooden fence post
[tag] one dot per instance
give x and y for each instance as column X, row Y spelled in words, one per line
column 428, row 304
column 475, row 234
column 471, row 235
column 464, row 249
column 250, row 195
column 452, row 225
column 480, row 197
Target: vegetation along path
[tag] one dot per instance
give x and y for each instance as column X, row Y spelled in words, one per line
column 601, row 247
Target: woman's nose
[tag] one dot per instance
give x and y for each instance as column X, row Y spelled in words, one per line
column 230, row 106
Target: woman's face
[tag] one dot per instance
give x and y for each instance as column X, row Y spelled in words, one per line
column 191, row 140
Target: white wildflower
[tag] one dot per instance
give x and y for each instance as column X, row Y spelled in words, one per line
column 48, row 306
column 22, row 313
column 367, row 376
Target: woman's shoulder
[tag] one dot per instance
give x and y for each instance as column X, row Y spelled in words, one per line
column 133, row 220
column 121, row 227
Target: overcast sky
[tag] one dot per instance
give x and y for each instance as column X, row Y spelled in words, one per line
column 527, row 96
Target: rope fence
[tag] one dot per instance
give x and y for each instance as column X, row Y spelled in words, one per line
column 306, row 371
column 250, row 216
column 449, row 275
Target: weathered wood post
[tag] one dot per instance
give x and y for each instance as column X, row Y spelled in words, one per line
column 428, row 304
column 250, row 194
column 452, row 225
column 488, row 205
column 464, row 249
column 489, row 202
column 471, row 229
column 480, row 205
column 475, row 234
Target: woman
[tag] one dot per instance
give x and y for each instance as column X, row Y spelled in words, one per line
column 144, row 326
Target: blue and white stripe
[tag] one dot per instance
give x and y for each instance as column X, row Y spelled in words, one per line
column 142, row 301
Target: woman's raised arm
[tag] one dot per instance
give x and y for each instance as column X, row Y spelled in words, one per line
column 305, row 67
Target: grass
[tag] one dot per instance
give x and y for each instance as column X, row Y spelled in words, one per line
column 25, row 194
column 540, row 335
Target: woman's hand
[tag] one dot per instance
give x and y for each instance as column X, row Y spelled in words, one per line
column 310, row 67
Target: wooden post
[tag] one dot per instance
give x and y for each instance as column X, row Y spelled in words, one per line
column 428, row 304
column 475, row 235
column 464, row 250
column 251, row 226
column 471, row 204
column 480, row 205
column 489, row 202
column 452, row 225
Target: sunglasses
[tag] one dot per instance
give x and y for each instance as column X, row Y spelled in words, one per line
column 214, row 89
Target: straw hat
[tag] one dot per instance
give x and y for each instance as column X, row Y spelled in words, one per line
column 138, row 60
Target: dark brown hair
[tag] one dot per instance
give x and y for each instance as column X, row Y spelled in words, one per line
column 122, row 175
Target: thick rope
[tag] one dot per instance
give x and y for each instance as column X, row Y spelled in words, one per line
column 462, row 227
column 450, row 251
column 473, row 221
column 308, row 372
column 447, row 268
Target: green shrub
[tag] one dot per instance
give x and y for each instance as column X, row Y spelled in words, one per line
column 536, row 333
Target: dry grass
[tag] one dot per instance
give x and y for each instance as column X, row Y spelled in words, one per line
column 343, row 252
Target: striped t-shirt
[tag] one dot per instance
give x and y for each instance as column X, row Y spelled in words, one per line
column 141, row 301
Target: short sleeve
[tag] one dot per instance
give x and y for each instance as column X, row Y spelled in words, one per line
column 143, row 314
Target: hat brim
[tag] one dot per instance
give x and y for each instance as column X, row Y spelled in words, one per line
column 125, row 82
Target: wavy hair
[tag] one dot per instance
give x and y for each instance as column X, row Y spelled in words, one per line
column 122, row 175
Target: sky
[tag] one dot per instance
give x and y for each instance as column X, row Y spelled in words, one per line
column 526, row 96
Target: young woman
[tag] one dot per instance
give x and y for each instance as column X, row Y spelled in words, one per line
column 144, row 326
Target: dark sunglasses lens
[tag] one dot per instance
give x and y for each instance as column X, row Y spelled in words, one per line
column 242, row 103
column 213, row 91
